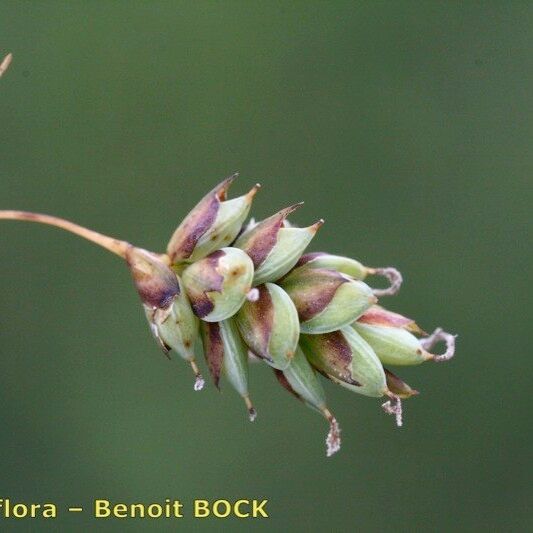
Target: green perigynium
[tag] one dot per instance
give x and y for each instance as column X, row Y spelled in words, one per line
column 345, row 358
column 249, row 290
column 226, row 354
column 326, row 300
column 300, row 379
column 213, row 223
column 274, row 248
column 177, row 329
column 354, row 269
column 269, row 326
column 218, row 285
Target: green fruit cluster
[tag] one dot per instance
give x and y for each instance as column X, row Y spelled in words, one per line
column 250, row 292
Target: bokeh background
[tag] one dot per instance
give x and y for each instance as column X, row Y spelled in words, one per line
column 406, row 125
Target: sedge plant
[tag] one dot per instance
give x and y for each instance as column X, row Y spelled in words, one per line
column 250, row 291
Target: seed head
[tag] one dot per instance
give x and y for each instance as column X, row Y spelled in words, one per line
column 251, row 291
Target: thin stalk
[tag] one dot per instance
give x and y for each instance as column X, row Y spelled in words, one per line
column 116, row 246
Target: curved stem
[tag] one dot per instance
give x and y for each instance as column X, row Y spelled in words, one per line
column 113, row 245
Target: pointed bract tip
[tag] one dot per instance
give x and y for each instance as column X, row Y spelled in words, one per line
column 417, row 330
column 383, row 317
column 396, row 387
column 253, row 191
column 221, row 190
column 286, row 211
column 317, row 225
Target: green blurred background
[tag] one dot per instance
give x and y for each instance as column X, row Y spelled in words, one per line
column 406, row 125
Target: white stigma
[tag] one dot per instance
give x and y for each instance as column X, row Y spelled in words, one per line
column 199, row 383
column 440, row 335
column 394, row 407
column 395, row 278
column 333, row 440
column 252, row 295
